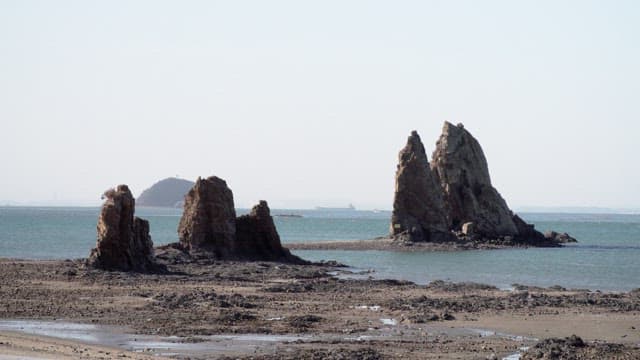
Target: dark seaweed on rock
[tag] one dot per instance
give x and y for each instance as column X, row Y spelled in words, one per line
column 574, row 348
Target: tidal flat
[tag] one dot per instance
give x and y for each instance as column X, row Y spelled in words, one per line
column 266, row 310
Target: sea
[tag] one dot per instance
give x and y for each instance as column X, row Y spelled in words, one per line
column 606, row 258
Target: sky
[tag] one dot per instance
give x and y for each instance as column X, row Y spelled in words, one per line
column 307, row 103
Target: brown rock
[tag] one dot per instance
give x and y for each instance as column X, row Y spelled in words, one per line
column 123, row 240
column 208, row 222
column 461, row 168
column 258, row 239
column 418, row 208
column 452, row 199
column 209, row 227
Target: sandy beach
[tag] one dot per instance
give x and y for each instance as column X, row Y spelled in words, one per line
column 296, row 311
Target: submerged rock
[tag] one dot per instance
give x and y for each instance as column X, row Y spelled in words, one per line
column 418, row 207
column 123, row 240
column 461, row 167
column 208, row 222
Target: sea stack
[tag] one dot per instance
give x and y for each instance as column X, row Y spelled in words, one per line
column 452, row 199
column 209, row 227
column 461, row 168
column 419, row 212
column 208, row 222
column 123, row 240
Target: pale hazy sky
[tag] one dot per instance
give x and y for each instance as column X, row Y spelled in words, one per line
column 307, row 103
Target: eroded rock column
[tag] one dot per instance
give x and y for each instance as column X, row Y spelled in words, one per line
column 123, row 239
column 208, row 222
column 419, row 212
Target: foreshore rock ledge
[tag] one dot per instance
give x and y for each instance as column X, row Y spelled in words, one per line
column 123, row 241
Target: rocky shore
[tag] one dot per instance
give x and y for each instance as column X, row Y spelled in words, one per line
column 331, row 317
column 393, row 244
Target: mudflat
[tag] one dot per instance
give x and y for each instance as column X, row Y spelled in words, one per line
column 315, row 311
column 390, row 244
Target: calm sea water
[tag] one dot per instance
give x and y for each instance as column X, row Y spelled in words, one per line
column 606, row 258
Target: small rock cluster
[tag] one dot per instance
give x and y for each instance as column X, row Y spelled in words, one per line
column 209, row 226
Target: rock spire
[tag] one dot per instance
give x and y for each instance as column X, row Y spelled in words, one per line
column 461, row 167
column 452, row 198
column 123, row 239
column 419, row 212
column 257, row 237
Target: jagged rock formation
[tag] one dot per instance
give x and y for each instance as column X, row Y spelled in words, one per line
column 452, row 198
column 168, row 192
column 419, row 212
column 257, row 237
column 209, row 227
column 461, row 167
column 209, row 219
column 123, row 240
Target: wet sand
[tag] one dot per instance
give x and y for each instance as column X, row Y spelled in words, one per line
column 315, row 312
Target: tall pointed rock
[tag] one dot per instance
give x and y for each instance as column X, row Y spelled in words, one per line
column 418, row 208
column 461, row 168
column 123, row 239
column 258, row 239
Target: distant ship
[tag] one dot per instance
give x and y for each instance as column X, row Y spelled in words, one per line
column 348, row 208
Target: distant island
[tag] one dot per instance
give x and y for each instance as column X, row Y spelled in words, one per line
column 168, row 192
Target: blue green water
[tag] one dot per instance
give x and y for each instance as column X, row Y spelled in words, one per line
column 606, row 258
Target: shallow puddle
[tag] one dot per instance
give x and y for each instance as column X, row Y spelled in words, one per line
column 232, row 344
column 118, row 337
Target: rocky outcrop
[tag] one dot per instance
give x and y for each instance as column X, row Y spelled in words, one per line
column 168, row 192
column 208, row 222
column 461, row 167
column 452, row 198
column 418, row 207
column 561, row 238
column 123, row 239
column 209, row 227
column 258, row 239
